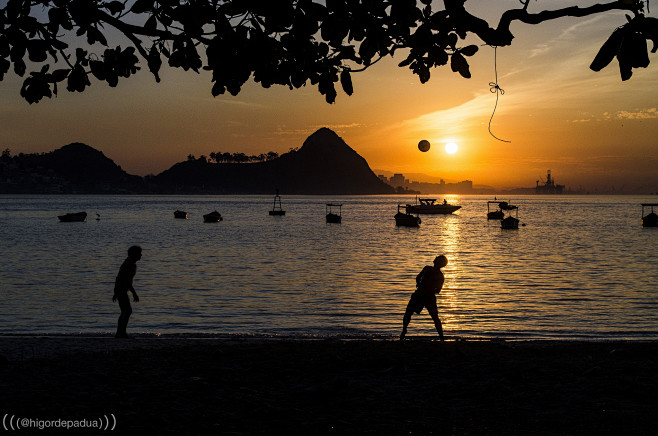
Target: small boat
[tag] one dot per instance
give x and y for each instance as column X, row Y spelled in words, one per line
column 405, row 219
column 651, row 219
column 212, row 217
column 180, row 214
column 331, row 216
column 510, row 221
column 276, row 208
column 496, row 214
column 429, row 205
column 73, row 217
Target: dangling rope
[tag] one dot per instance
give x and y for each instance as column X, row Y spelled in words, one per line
column 499, row 91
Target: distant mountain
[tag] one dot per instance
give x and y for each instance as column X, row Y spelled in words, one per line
column 74, row 168
column 324, row 164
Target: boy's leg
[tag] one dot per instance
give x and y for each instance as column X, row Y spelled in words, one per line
column 437, row 323
column 405, row 322
column 126, row 310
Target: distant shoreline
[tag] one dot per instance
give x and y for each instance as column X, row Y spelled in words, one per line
column 496, row 193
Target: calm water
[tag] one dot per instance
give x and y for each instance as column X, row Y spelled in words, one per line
column 582, row 267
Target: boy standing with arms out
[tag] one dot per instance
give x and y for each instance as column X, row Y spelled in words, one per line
column 428, row 283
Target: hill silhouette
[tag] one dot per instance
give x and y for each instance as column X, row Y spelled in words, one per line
column 73, row 168
column 324, row 164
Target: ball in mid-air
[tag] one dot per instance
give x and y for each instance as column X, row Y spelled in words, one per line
column 424, row 145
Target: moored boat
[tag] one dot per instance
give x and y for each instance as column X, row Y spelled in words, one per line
column 335, row 218
column 511, row 221
column 73, row 217
column 406, row 219
column 180, row 214
column 212, row 217
column 430, row 206
column 651, row 219
column 496, row 214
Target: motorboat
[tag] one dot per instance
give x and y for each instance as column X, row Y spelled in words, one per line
column 212, row 217
column 651, row 219
column 511, row 221
column 333, row 217
column 180, row 214
column 406, row 219
column 73, row 217
column 430, row 206
column 498, row 210
column 276, row 207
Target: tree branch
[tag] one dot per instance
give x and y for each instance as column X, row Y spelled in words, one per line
column 523, row 16
column 502, row 36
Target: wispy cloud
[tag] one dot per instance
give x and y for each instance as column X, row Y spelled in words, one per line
column 338, row 128
column 646, row 114
column 568, row 35
column 454, row 121
column 638, row 114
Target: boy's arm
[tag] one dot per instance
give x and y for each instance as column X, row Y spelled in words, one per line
column 130, row 285
column 131, row 289
column 420, row 275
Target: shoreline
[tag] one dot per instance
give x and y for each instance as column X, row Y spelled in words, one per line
column 243, row 385
column 52, row 345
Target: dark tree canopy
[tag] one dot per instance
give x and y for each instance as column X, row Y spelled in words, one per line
column 275, row 42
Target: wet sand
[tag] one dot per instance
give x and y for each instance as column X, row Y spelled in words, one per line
column 184, row 385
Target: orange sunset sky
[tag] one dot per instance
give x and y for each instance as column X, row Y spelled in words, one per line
column 591, row 129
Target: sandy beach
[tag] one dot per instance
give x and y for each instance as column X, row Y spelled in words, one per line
column 184, row 385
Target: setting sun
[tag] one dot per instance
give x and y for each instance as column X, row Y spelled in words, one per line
column 451, row 148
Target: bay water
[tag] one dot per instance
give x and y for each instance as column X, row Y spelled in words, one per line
column 579, row 267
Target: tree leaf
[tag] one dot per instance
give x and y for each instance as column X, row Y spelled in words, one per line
column 608, row 50
column 469, row 50
column 142, row 6
column 37, row 50
column 59, row 75
column 458, row 64
column 151, row 23
column 346, row 82
column 115, row 7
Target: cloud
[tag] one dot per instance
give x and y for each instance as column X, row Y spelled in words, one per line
column 638, row 114
column 566, row 36
column 285, row 131
column 646, row 114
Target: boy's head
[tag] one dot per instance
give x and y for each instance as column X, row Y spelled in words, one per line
column 440, row 261
column 135, row 252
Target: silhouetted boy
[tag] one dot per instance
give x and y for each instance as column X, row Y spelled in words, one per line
column 122, row 285
column 428, row 283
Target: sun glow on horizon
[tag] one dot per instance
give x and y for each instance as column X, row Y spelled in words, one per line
column 451, row 148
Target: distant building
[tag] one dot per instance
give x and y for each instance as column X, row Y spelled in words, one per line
column 548, row 187
column 399, row 182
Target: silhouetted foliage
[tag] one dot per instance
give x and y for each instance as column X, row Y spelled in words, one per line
column 220, row 157
column 275, row 42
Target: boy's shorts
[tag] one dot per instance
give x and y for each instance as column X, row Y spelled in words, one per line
column 418, row 301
